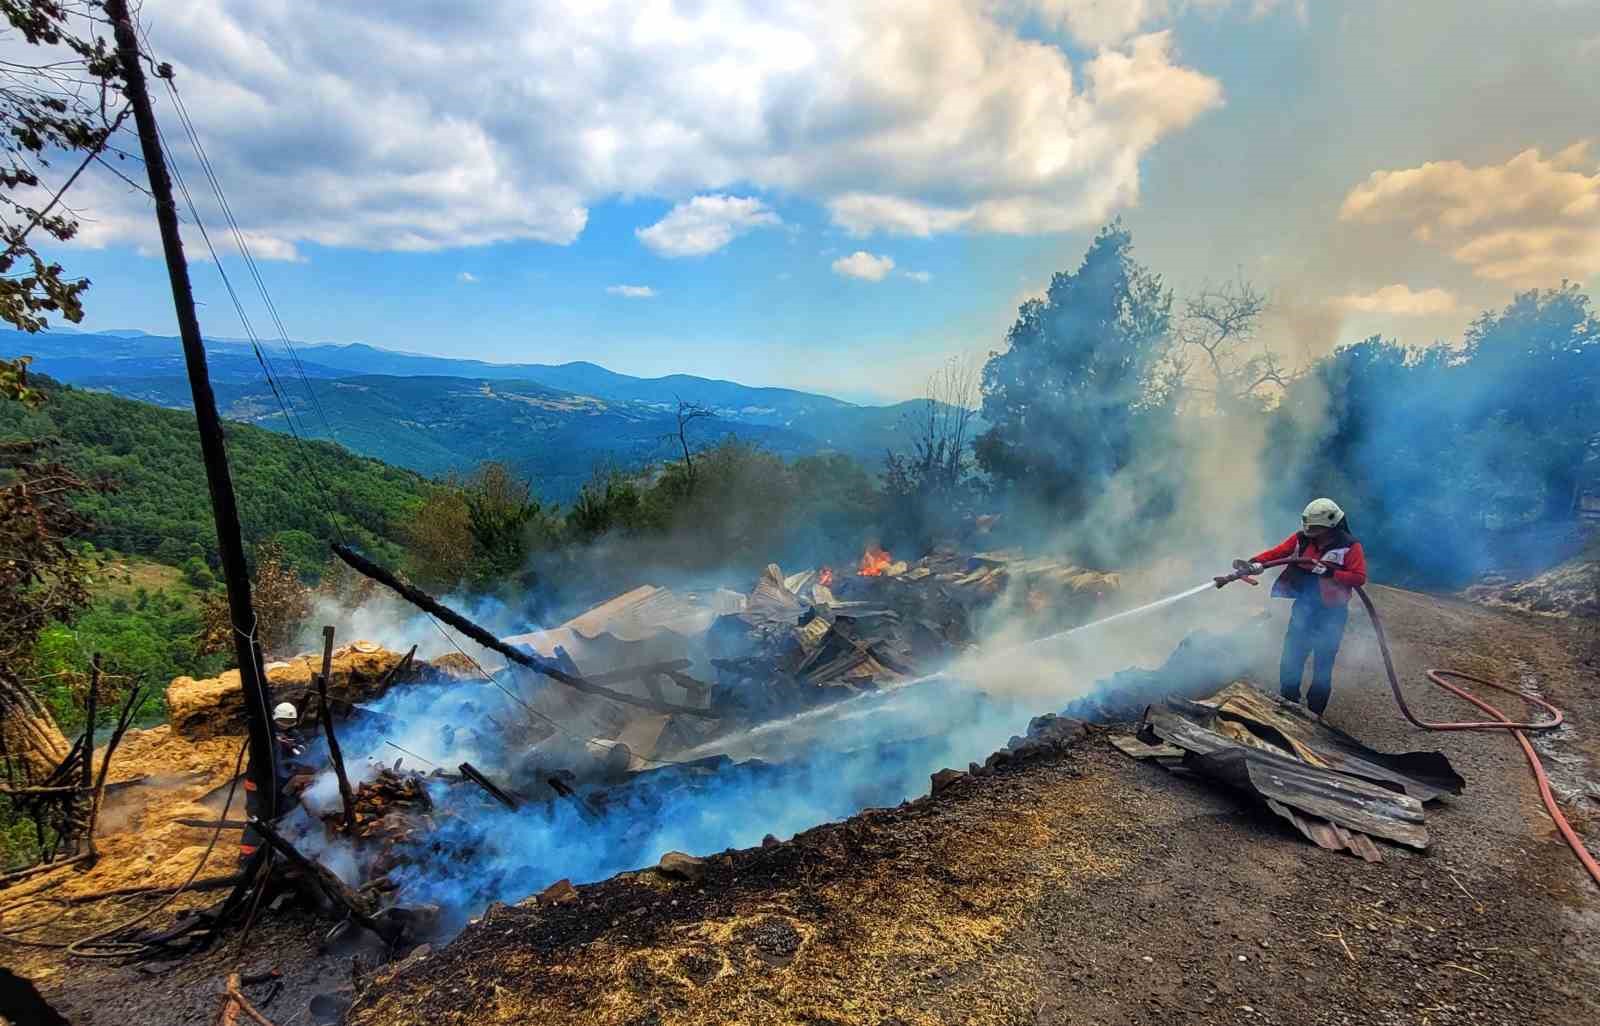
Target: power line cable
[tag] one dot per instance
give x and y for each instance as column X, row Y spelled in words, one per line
column 248, row 255
column 255, row 341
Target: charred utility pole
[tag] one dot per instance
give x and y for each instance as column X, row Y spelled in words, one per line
column 261, row 793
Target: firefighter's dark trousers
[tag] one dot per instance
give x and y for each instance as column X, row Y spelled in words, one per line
column 1315, row 631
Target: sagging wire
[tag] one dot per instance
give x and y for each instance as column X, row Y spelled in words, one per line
column 249, row 258
column 255, row 341
column 290, row 421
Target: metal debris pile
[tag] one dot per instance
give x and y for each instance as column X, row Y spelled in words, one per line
column 1332, row 788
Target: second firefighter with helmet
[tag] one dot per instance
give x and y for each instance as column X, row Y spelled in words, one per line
column 1330, row 566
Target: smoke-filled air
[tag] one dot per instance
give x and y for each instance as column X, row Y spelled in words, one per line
column 867, row 511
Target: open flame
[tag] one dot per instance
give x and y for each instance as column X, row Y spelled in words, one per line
column 874, row 562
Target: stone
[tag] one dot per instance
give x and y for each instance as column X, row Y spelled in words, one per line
column 1056, row 730
column 770, row 841
column 558, row 892
column 684, row 867
column 944, row 778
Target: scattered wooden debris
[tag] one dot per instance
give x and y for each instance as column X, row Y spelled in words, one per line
column 494, row 791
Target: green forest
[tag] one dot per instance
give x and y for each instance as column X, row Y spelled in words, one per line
column 301, row 495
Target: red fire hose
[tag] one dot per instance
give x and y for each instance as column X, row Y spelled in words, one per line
column 1500, row 722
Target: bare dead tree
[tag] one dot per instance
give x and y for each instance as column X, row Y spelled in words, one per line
column 688, row 413
column 1217, row 343
column 941, row 437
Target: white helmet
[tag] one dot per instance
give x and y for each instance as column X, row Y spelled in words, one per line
column 285, row 714
column 1321, row 513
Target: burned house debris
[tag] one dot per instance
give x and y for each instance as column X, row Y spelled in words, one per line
column 663, row 725
column 888, row 623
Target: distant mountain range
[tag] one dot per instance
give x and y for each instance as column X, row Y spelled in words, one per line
column 436, row 414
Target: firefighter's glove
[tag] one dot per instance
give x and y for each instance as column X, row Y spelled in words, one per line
column 1247, row 567
column 1319, row 568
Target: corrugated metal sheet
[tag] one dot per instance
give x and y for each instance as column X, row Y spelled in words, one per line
column 1337, row 792
column 1243, row 713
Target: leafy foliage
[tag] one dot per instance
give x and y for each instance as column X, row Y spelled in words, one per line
column 477, row 531
column 65, row 103
column 1076, row 390
column 148, row 638
column 281, row 599
column 1452, row 455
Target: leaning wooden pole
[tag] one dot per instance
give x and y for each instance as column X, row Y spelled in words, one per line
column 89, row 714
column 261, row 794
column 325, row 713
column 428, row 604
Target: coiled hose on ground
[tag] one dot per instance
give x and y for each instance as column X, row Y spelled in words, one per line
column 1500, row 722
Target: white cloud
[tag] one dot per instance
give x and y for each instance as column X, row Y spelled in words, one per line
column 467, row 278
column 1056, row 159
column 420, row 127
column 705, row 224
column 1530, row 221
column 920, row 277
column 862, row 213
column 632, row 291
column 1105, row 23
column 864, row 265
column 1401, row 301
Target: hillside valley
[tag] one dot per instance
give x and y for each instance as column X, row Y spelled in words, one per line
column 554, row 423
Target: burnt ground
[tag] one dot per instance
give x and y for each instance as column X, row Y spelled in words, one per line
column 1081, row 888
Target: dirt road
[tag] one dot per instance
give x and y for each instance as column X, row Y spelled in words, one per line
column 1084, row 888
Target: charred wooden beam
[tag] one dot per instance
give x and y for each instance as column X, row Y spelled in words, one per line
column 359, row 909
column 397, row 669
column 562, row 788
column 43, row 867
column 425, row 602
column 504, row 798
column 334, row 755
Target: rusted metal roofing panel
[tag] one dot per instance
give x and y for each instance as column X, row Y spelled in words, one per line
column 1259, row 720
column 1324, row 793
column 1328, row 835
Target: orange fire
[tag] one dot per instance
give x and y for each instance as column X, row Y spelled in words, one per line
column 874, row 562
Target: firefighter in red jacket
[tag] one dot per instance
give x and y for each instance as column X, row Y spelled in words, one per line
column 1321, row 591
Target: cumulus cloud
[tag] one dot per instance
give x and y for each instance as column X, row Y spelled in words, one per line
column 1400, row 300
column 420, row 126
column 632, row 291
column 705, row 224
column 1041, row 155
column 864, row 265
column 1103, row 23
column 920, row 277
column 1529, row 221
column 467, row 278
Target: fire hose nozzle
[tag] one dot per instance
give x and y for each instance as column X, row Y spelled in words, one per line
column 1243, row 570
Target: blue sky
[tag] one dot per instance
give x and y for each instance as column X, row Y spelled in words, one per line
column 475, row 186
